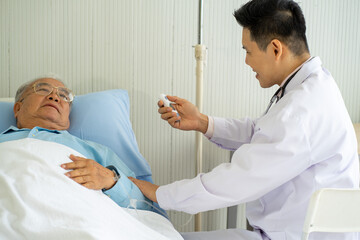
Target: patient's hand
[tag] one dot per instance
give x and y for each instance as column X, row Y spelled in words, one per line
column 147, row 188
column 89, row 173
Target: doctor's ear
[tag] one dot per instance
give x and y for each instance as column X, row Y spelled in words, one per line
column 277, row 48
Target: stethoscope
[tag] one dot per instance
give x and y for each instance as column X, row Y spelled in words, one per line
column 276, row 96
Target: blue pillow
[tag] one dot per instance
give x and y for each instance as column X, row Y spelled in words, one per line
column 101, row 117
column 6, row 115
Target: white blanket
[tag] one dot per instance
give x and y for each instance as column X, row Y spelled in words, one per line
column 37, row 201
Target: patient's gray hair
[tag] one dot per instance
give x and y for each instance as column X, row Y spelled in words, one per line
column 26, row 85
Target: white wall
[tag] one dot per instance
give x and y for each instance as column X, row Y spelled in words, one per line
column 146, row 47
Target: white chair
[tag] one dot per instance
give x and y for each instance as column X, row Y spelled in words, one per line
column 333, row 210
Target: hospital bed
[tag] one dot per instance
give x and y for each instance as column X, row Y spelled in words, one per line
column 101, row 117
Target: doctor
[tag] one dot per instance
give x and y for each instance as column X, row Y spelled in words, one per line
column 304, row 141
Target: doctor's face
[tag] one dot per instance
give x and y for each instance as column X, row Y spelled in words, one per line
column 36, row 109
column 261, row 62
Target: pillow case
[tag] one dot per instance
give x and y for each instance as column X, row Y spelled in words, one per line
column 101, row 117
column 6, row 115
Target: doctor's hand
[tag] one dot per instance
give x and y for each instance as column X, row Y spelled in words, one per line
column 147, row 188
column 190, row 118
column 89, row 173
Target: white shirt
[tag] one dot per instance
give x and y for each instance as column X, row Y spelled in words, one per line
column 305, row 142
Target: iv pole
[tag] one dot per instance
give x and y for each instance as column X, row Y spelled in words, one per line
column 200, row 56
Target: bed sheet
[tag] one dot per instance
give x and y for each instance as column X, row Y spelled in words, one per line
column 37, row 201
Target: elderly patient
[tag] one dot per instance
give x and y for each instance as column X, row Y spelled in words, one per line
column 42, row 110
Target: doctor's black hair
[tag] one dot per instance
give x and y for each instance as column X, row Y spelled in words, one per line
column 274, row 19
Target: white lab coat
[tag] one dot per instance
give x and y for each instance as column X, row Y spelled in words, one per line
column 305, row 142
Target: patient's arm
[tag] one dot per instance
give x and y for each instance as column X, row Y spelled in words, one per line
column 89, row 173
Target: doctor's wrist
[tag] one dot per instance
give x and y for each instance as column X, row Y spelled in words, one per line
column 203, row 123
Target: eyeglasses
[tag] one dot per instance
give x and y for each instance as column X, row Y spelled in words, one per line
column 45, row 89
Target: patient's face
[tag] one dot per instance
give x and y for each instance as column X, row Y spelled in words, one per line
column 49, row 112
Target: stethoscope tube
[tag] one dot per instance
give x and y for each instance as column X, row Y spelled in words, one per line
column 282, row 90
